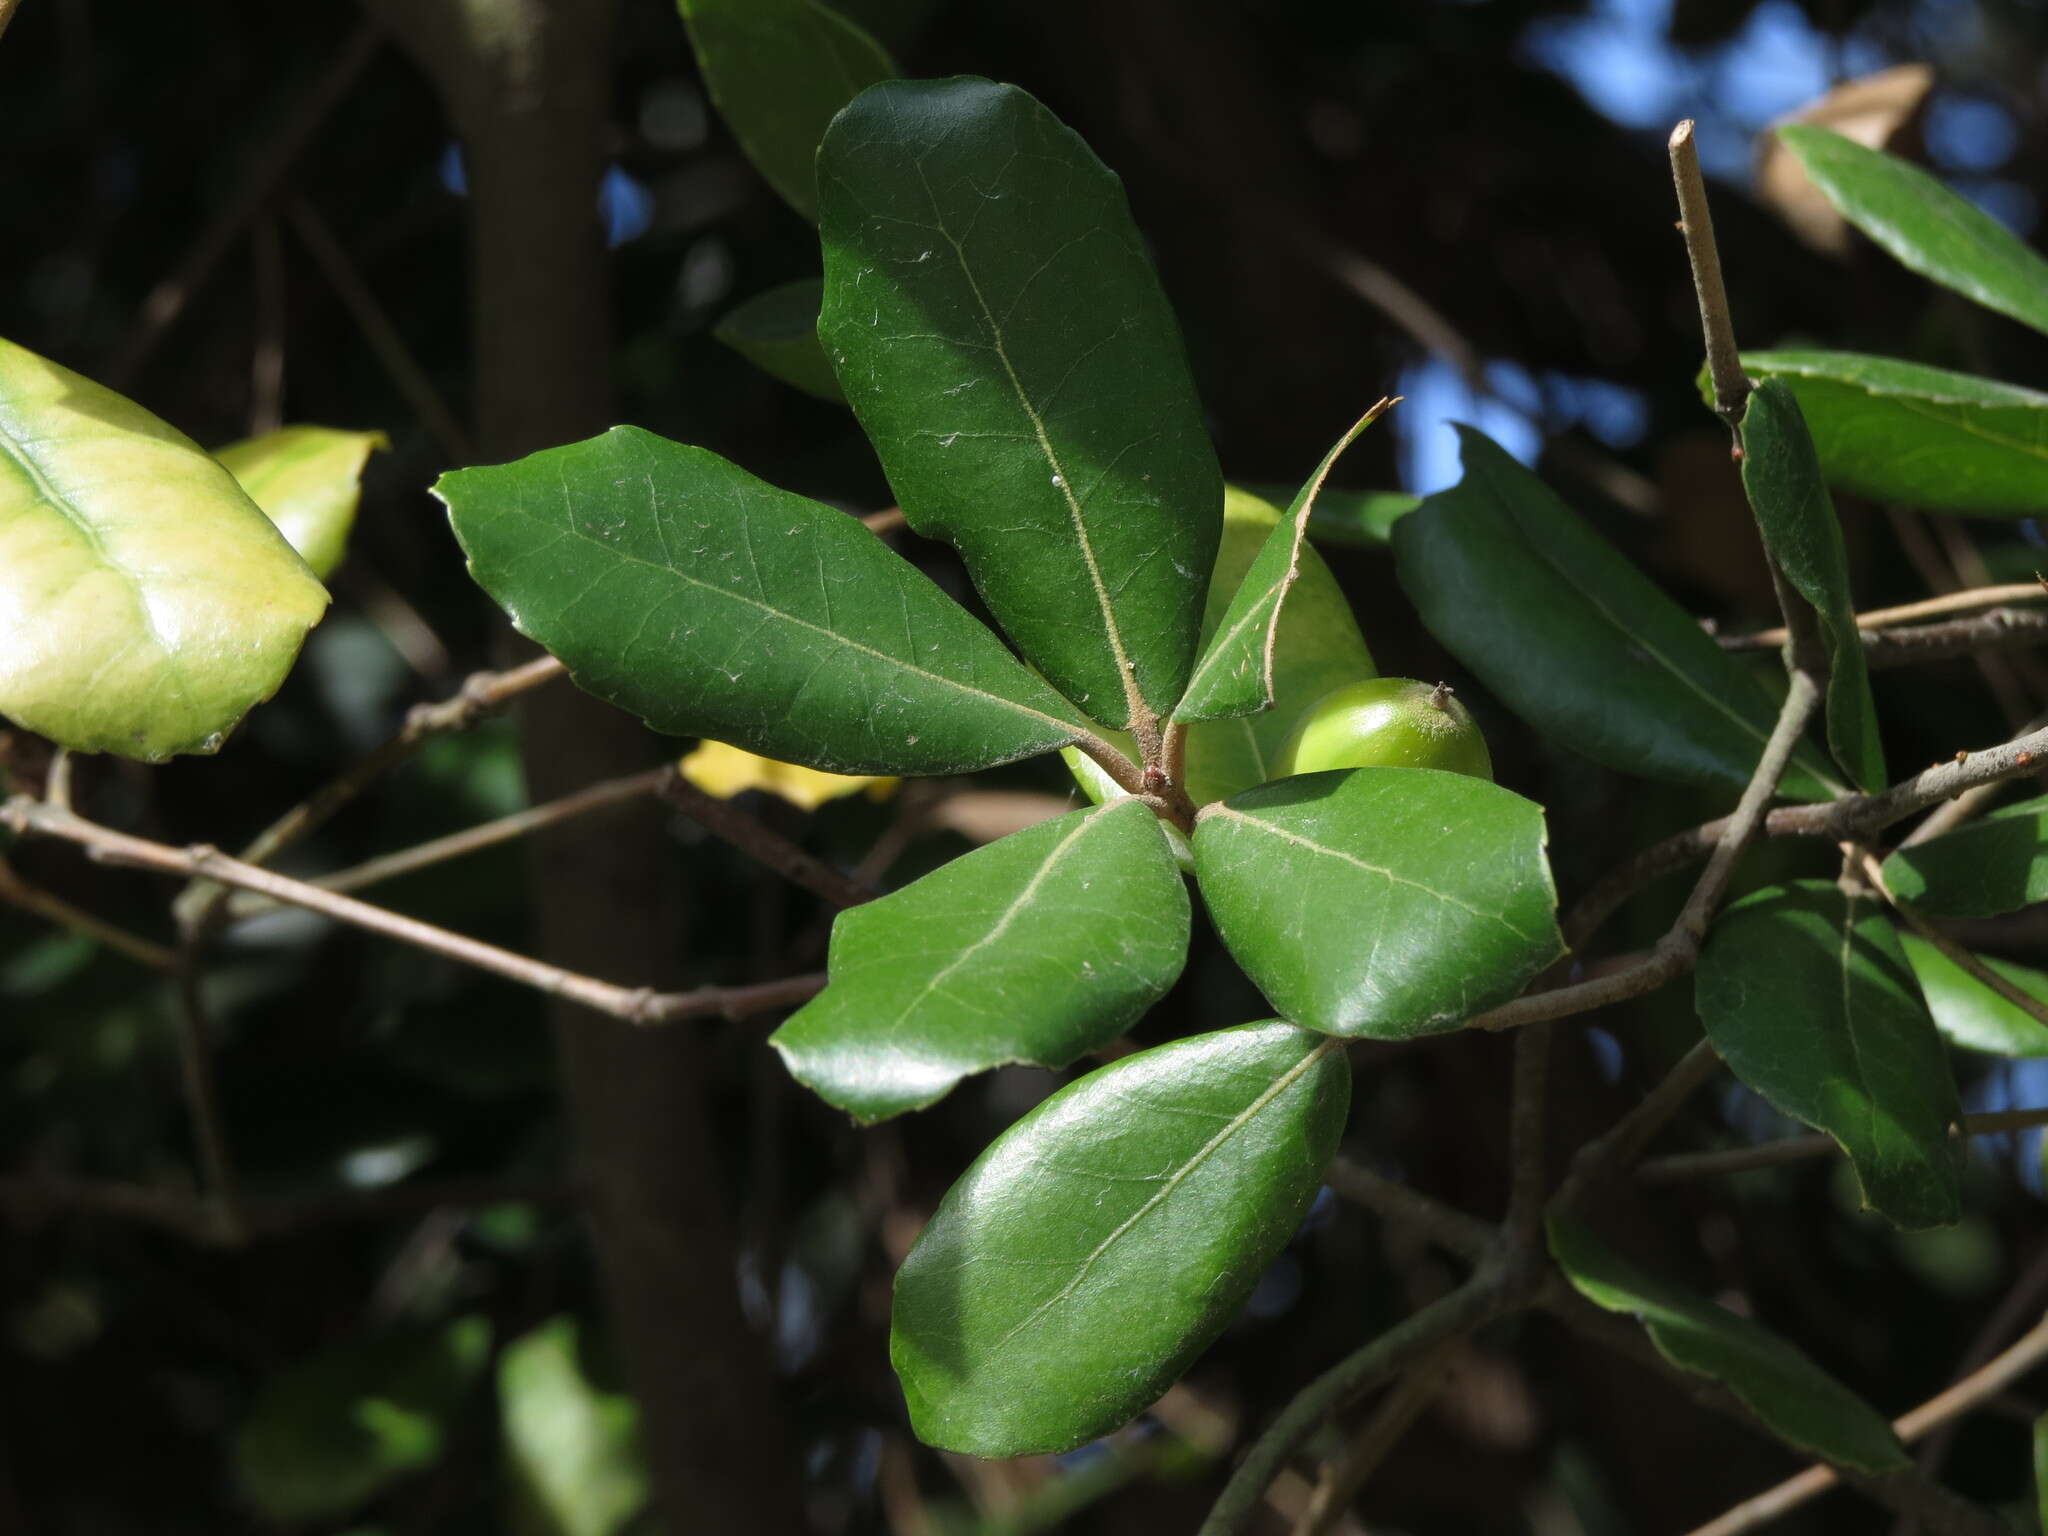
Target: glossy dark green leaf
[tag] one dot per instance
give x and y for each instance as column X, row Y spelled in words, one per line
column 1035, row 949
column 1969, row 1013
column 1238, row 673
column 778, row 70
column 1385, row 902
column 1808, row 996
column 1106, row 1238
column 1575, row 639
column 1994, row 865
column 709, row 603
column 308, row 481
column 573, row 1449
column 1000, row 332
column 1781, row 473
column 146, row 603
column 777, row 332
column 1318, row 649
column 1893, row 431
column 327, row 1434
column 1924, row 225
column 1801, row 1403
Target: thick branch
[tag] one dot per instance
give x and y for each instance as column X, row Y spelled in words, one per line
column 1853, row 818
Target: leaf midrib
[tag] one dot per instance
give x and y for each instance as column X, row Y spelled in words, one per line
column 1135, row 704
column 1173, row 1181
column 570, row 531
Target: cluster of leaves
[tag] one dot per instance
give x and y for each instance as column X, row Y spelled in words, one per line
column 987, row 311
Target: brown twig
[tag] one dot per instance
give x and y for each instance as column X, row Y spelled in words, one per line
column 1972, row 600
column 1905, row 1491
column 1683, row 1166
column 489, row 834
column 282, row 147
column 1489, row 1294
column 1985, row 1382
column 1731, row 385
column 635, row 1005
column 480, row 694
column 1675, row 952
column 1971, row 965
column 1853, row 818
column 1398, row 1411
column 200, row 1084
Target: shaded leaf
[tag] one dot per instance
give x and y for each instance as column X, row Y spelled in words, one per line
column 1969, row 1013
column 777, row 332
column 1574, row 638
column 2041, row 1470
column 778, row 70
column 1318, row 648
column 308, row 481
column 1099, row 1244
column 1035, row 949
column 1781, row 473
column 1893, row 431
column 1806, row 993
column 329, row 1433
column 709, row 603
column 574, row 1449
column 1801, row 1403
column 1238, row 673
column 146, row 603
column 1352, row 519
column 1990, row 866
column 1384, row 902
column 998, row 328
column 1928, row 228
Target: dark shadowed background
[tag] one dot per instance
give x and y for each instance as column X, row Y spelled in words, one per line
column 241, row 213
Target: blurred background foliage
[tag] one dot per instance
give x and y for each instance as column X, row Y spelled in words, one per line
column 1461, row 201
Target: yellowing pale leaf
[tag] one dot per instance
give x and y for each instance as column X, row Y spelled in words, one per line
column 307, row 480
column 725, row 771
column 146, row 603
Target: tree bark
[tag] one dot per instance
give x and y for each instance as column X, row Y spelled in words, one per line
column 528, row 85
